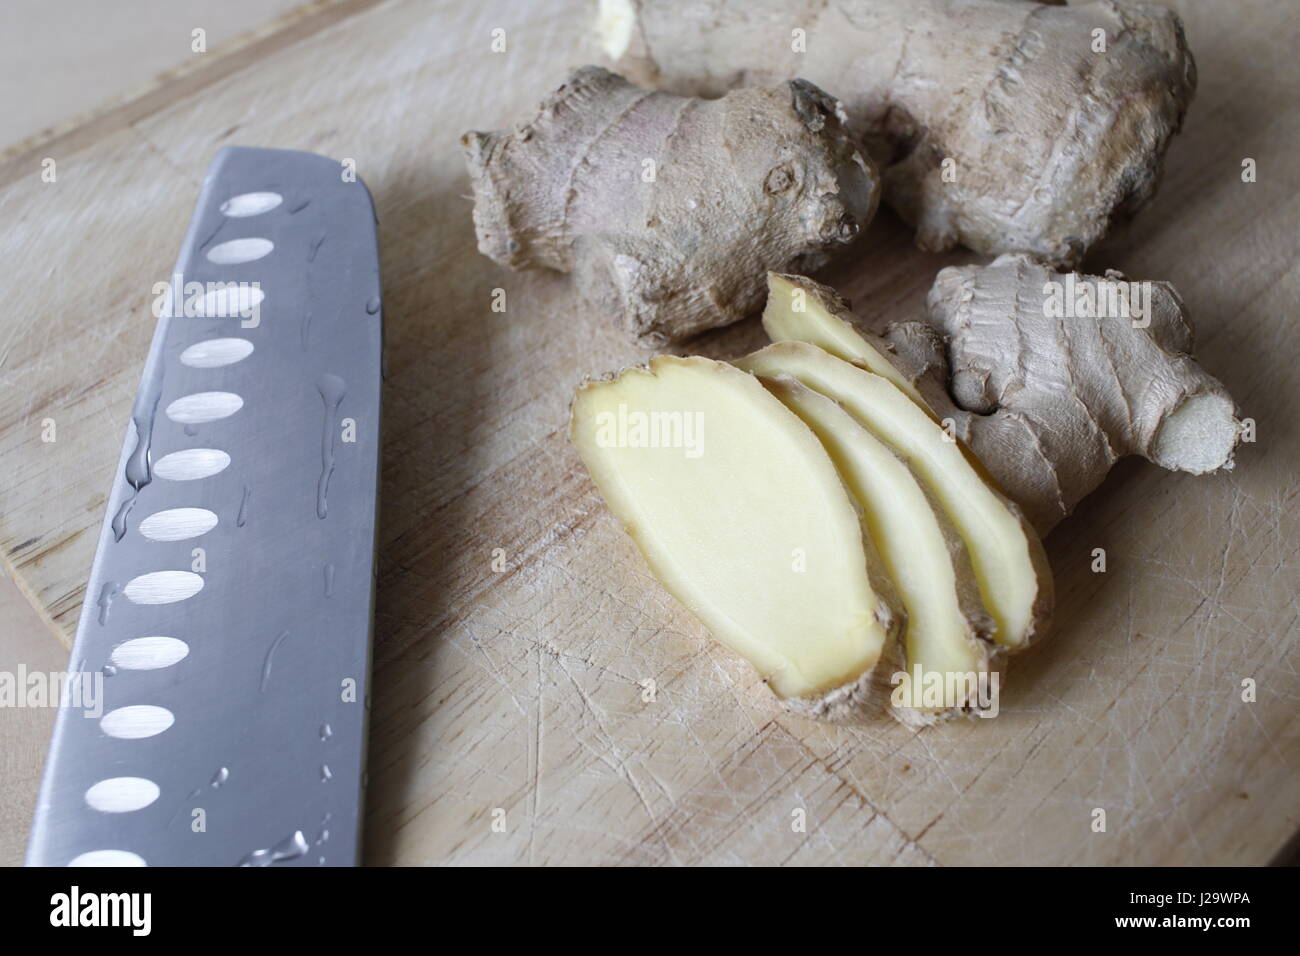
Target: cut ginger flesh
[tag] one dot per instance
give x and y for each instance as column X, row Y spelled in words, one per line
column 796, row 313
column 906, row 531
column 1000, row 548
column 741, row 515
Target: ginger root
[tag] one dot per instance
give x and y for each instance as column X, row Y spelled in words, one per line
column 667, row 210
column 1047, row 393
column 1023, row 382
column 1002, row 125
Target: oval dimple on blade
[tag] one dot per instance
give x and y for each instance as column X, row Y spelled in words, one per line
column 191, row 463
column 122, row 794
column 229, row 301
column 163, row 587
column 136, row 721
column 177, row 524
column 214, row 353
column 250, row 204
column 108, row 858
column 202, row 407
column 238, row 251
column 148, row 653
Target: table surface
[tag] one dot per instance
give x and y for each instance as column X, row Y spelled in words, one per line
column 516, row 695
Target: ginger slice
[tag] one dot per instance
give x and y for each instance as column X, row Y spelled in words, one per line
column 1006, row 556
column 801, row 310
column 914, row 540
column 742, row 516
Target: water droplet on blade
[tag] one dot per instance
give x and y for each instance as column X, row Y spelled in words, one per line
column 332, row 389
column 137, row 471
column 107, row 593
column 119, row 519
column 270, row 655
column 243, row 508
column 290, row 848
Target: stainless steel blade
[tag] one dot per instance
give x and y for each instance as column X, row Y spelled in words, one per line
column 233, row 725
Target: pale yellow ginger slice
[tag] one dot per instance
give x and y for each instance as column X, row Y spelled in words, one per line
column 945, row 621
column 742, row 516
column 801, row 310
column 1006, row 556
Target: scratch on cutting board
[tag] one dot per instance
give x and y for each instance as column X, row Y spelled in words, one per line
column 496, row 673
column 618, row 761
column 536, row 758
column 856, row 791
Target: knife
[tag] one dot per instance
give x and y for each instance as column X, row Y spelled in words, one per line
column 229, row 610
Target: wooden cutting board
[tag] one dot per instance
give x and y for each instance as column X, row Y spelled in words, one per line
column 516, row 623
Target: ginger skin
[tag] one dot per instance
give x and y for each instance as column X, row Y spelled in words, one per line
column 668, row 210
column 997, row 124
column 1049, row 404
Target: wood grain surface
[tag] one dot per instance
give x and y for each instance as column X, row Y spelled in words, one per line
column 515, row 695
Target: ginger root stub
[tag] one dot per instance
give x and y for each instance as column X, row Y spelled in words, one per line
column 668, row 210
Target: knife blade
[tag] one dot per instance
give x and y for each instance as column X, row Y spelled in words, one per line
column 229, row 608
